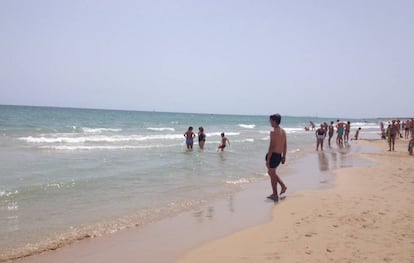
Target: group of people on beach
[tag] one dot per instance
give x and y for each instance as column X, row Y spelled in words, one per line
column 343, row 130
column 394, row 131
column 275, row 155
column 190, row 136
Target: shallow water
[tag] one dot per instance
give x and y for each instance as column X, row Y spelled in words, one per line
column 71, row 173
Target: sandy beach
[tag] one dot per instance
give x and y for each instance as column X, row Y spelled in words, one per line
column 366, row 217
column 357, row 212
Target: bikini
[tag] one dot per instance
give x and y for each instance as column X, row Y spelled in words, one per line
column 320, row 134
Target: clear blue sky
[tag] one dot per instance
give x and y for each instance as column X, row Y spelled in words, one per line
column 350, row 58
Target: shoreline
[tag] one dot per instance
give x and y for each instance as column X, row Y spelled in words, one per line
column 367, row 216
column 173, row 236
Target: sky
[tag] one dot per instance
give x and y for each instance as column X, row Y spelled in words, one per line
column 333, row 58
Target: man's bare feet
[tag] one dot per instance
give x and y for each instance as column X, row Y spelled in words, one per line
column 284, row 188
column 273, row 197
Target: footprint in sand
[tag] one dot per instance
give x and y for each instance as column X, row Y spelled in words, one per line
column 272, row 256
column 310, row 234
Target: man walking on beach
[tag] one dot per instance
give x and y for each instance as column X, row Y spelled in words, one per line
column 276, row 155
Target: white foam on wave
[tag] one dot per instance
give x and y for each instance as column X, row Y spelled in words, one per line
column 8, row 194
column 161, row 129
column 365, row 125
column 104, row 147
column 243, row 140
column 247, row 126
column 287, row 129
column 99, row 130
column 100, row 138
column 294, row 130
column 211, row 134
column 238, row 181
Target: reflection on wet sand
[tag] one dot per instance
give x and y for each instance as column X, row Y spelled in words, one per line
column 334, row 158
column 315, row 169
column 323, row 162
column 209, row 211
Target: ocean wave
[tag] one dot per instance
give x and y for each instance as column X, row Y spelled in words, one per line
column 100, row 138
column 247, row 126
column 99, row 130
column 288, row 130
column 161, row 129
column 294, row 130
column 365, row 125
column 4, row 193
column 211, row 134
column 104, row 147
column 243, row 140
column 239, row 181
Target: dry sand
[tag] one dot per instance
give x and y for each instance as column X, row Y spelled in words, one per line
column 366, row 217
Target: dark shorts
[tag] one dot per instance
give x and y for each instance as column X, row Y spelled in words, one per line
column 275, row 160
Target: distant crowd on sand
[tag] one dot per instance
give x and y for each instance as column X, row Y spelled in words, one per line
column 397, row 130
column 343, row 129
column 189, row 136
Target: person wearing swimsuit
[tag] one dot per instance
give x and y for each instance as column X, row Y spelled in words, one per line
column 224, row 140
column 201, row 137
column 340, row 130
column 276, row 155
column 320, row 137
column 189, row 138
column 330, row 132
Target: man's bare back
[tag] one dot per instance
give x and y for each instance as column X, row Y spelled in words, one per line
column 277, row 141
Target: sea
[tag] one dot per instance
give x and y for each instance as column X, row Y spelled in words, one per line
column 68, row 174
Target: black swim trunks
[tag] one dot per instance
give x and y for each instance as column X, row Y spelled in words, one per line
column 275, row 160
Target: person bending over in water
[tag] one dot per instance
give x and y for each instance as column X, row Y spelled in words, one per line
column 357, row 133
column 224, row 140
column 276, row 155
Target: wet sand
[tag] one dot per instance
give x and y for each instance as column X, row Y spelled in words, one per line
column 167, row 240
column 368, row 216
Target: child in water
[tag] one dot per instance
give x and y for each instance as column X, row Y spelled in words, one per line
column 189, row 138
column 224, row 140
